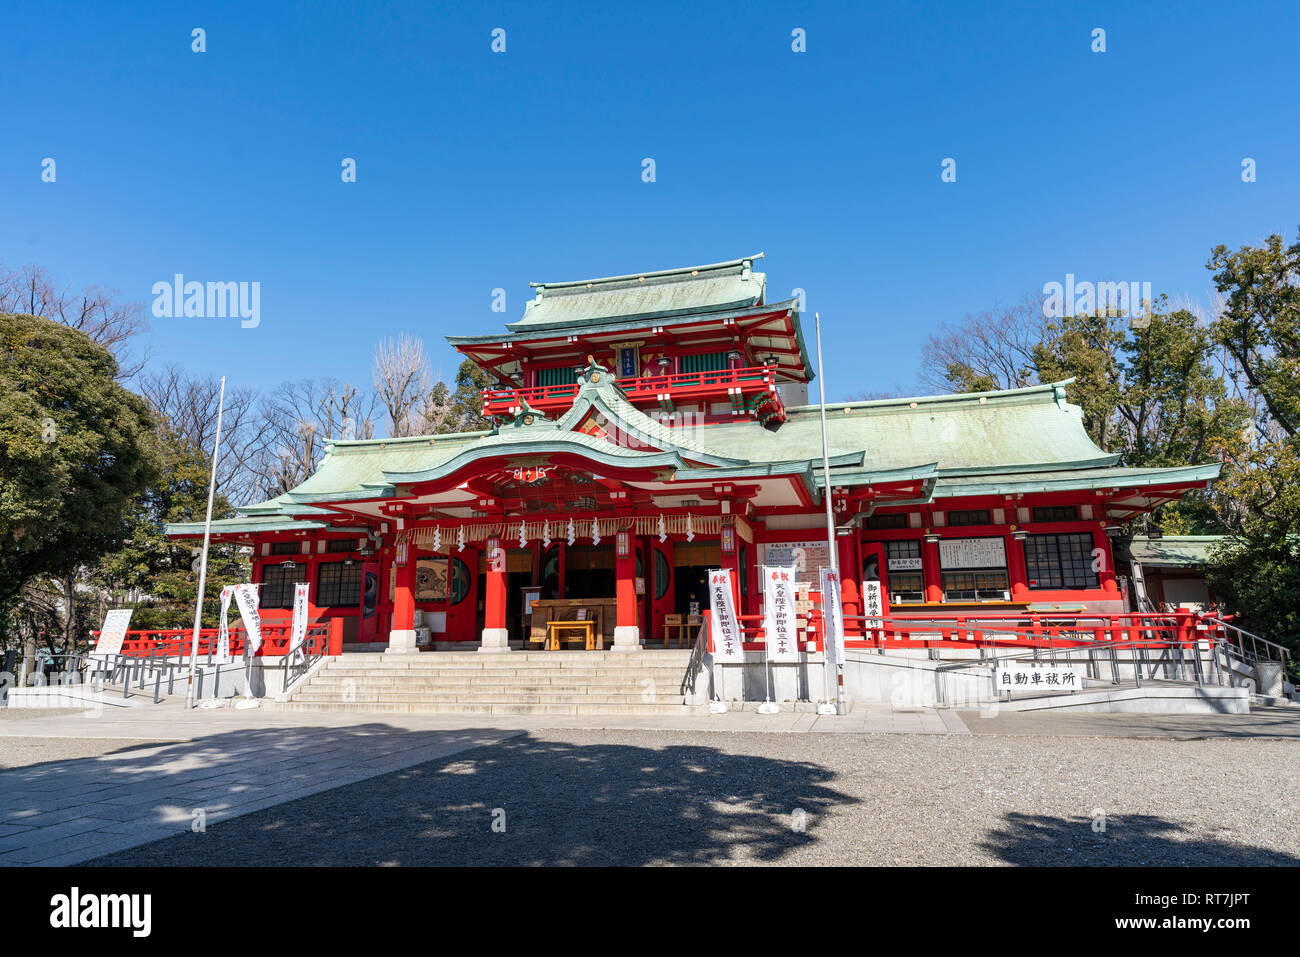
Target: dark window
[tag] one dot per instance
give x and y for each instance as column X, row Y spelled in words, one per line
column 704, row 362
column 286, row 548
column 278, row 582
column 340, row 545
column 1056, row 513
column 744, row 572
column 1060, row 561
column 565, row 375
column 975, row 585
column 970, row 516
column 338, row 584
column 903, row 570
column 887, row 521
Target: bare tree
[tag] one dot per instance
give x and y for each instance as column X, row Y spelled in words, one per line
column 97, row 312
column 992, row 349
column 188, row 406
column 299, row 418
column 402, row 383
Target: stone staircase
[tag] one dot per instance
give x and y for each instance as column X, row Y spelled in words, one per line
column 520, row 682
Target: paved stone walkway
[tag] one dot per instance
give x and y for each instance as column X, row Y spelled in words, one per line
column 167, row 763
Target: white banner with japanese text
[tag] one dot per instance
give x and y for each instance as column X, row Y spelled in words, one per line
column 223, row 626
column 723, row 625
column 299, row 630
column 780, row 623
column 247, row 599
column 833, row 616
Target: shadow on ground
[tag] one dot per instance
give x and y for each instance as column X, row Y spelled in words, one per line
column 560, row 803
column 1133, row 840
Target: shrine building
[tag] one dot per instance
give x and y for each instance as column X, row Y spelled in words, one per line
column 649, row 427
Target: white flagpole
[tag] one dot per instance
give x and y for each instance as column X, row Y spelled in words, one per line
column 830, row 532
column 203, row 561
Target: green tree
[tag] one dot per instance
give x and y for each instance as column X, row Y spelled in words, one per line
column 76, row 451
column 467, row 401
column 155, row 574
column 1257, row 571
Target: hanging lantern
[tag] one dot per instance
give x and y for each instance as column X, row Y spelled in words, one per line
column 546, row 534
column 595, row 531
column 728, row 539
column 460, row 538
column 663, row 529
column 690, row 532
column 523, row 539
column 400, row 553
column 622, row 544
column 437, row 539
column 572, row 531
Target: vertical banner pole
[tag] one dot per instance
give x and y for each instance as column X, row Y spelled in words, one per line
column 830, row 532
column 203, row 561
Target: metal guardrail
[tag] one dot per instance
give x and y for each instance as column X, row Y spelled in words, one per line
column 697, row 658
column 1252, row 647
column 300, row 658
column 1184, row 660
column 97, row 670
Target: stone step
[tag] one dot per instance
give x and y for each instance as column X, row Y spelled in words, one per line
column 486, row 709
column 412, row 697
column 492, row 687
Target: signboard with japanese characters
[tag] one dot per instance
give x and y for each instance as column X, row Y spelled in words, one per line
column 872, row 606
column 956, row 553
column 780, row 624
column 116, row 623
column 834, row 612
column 804, row 557
column 724, row 628
column 1025, row 677
column 904, row 564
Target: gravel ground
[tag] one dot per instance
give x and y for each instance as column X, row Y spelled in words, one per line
column 633, row 798
column 23, row 752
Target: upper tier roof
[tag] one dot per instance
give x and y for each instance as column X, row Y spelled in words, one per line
column 649, row 295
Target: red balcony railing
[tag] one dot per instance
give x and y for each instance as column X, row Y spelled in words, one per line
column 750, row 391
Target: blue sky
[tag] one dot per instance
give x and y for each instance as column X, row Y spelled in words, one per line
column 478, row 170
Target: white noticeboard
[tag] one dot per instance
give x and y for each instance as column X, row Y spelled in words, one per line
column 955, row 553
column 116, row 623
column 1026, row 678
column 806, row 558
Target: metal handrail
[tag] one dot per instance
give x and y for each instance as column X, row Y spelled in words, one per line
column 293, row 670
column 697, row 657
column 1198, row 671
column 1276, row 652
column 113, row 669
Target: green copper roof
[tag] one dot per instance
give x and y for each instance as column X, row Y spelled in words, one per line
column 977, row 432
column 1069, row 480
column 643, row 296
column 1017, row 441
column 1173, row 551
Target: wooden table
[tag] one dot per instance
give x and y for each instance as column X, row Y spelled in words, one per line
column 555, row 633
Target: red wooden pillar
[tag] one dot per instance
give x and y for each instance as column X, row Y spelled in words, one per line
column 1017, row 571
column 496, row 633
column 930, row 572
column 627, row 633
column 401, row 639
column 1104, row 562
column 850, row 601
